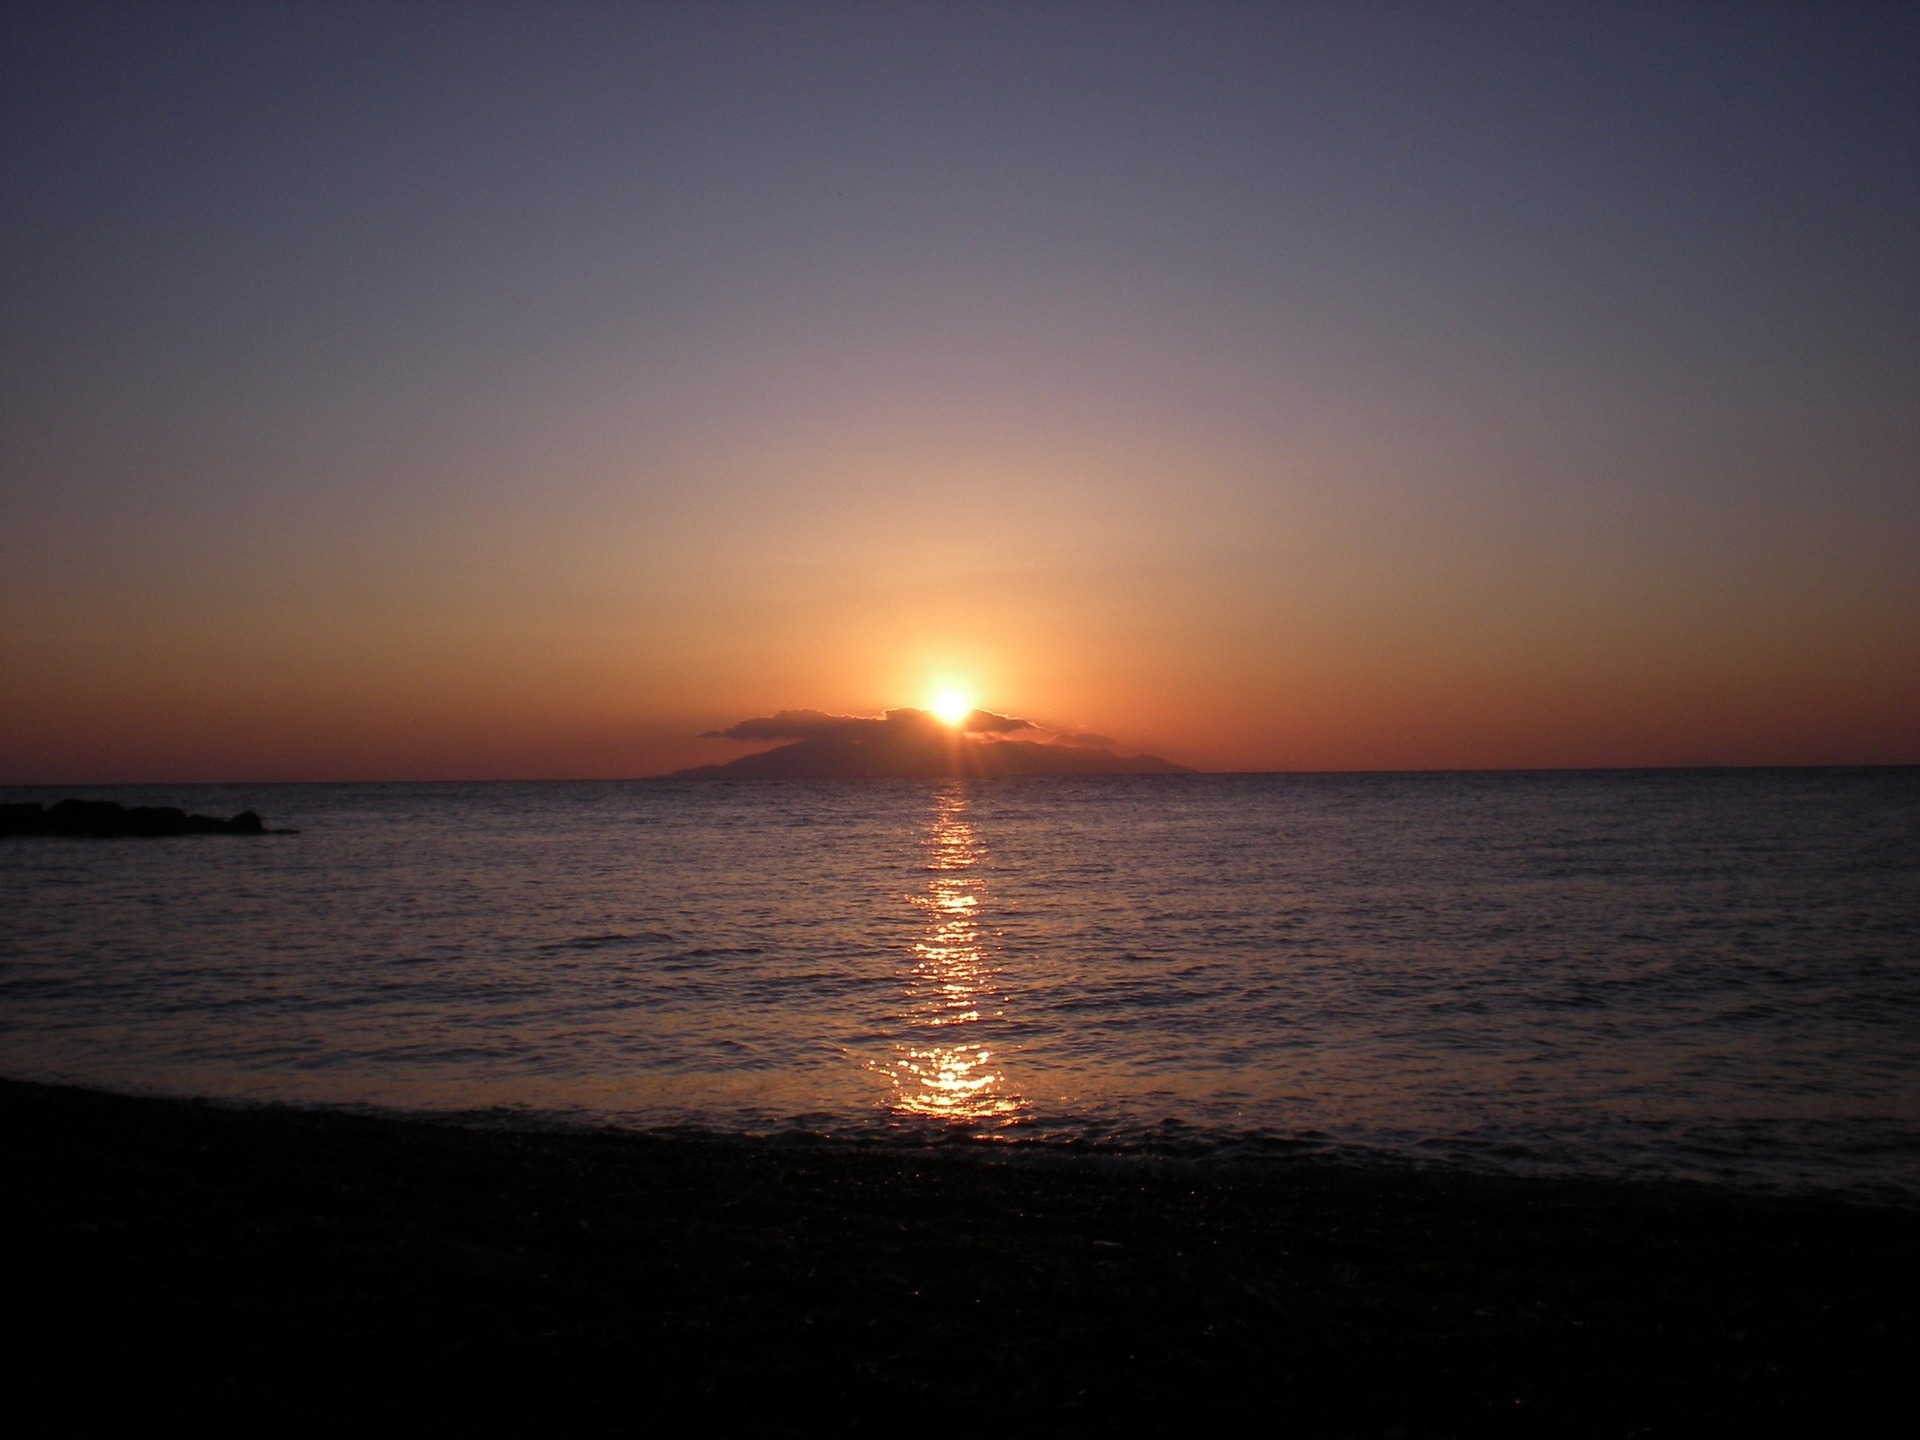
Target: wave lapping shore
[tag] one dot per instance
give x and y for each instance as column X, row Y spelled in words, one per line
column 300, row 1269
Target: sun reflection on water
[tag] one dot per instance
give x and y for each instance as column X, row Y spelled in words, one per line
column 945, row 1070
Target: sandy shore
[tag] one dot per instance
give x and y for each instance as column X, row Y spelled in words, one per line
column 277, row 1267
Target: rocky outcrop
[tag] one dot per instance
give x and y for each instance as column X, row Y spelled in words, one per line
column 105, row 820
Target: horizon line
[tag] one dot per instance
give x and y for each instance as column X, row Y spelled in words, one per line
column 1184, row 774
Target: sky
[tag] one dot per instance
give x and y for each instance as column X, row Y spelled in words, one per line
column 395, row 391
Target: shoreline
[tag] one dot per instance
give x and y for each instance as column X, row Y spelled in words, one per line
column 308, row 1267
column 1192, row 1153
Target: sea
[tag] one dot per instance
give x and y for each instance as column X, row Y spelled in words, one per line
column 1706, row 975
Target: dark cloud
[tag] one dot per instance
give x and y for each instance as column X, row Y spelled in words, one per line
column 985, row 722
column 797, row 725
column 912, row 744
column 819, row 725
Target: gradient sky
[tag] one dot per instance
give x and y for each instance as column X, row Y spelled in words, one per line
column 436, row 390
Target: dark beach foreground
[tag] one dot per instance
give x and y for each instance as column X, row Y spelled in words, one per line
column 293, row 1269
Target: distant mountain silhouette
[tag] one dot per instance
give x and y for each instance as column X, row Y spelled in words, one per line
column 911, row 745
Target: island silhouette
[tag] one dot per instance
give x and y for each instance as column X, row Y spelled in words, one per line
column 910, row 744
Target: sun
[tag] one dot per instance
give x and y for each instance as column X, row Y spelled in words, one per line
column 951, row 705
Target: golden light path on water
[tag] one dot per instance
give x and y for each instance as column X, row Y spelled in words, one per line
column 944, row 1071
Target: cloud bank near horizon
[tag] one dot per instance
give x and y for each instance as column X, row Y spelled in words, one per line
column 909, row 743
column 819, row 725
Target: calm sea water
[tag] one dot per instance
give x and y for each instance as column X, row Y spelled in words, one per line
column 1698, row 974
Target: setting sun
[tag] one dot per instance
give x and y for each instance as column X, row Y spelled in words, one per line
column 951, row 705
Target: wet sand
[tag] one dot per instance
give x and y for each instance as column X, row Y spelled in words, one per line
column 271, row 1267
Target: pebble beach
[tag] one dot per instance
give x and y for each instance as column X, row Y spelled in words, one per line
column 307, row 1269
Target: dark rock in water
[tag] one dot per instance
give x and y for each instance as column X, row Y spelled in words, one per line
column 247, row 822
column 106, row 820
